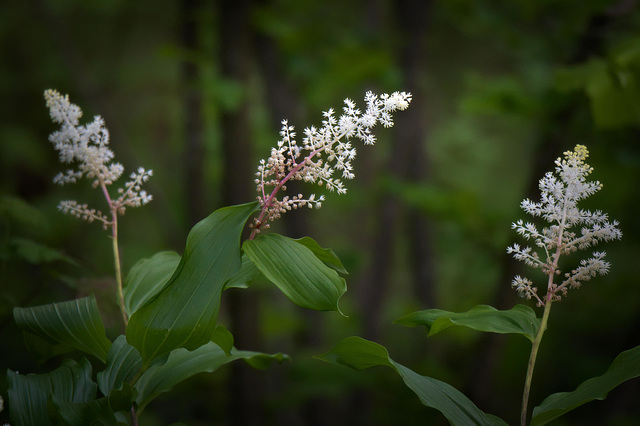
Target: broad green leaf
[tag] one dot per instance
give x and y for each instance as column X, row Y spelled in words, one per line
column 520, row 319
column 327, row 255
column 123, row 362
column 183, row 314
column 147, row 277
column 76, row 323
column 247, row 273
column 296, row 271
column 626, row 366
column 95, row 412
column 183, row 364
column 223, row 338
column 29, row 394
column 360, row 354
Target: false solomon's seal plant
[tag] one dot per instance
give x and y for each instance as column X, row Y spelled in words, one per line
column 568, row 230
column 169, row 303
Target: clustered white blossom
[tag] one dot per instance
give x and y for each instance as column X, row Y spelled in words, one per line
column 325, row 152
column 570, row 228
column 88, row 146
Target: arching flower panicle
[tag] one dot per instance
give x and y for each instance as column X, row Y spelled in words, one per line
column 324, row 156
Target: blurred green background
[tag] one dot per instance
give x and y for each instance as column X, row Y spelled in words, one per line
column 196, row 90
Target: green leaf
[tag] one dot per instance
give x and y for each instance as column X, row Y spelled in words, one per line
column 76, row 323
column 18, row 211
column 147, row 277
column 520, row 319
column 223, row 338
column 183, row 364
column 123, row 362
column 326, row 255
column 96, row 412
column 247, row 273
column 257, row 360
column 29, row 394
column 626, row 366
column 360, row 354
column 184, row 313
column 612, row 85
column 43, row 349
column 296, row 271
column 37, row 253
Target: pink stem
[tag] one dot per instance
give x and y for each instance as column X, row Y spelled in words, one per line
column 269, row 200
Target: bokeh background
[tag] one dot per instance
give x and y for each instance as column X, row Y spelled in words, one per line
column 196, row 90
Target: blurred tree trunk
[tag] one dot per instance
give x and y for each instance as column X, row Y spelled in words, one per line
column 408, row 163
column 193, row 124
column 246, row 387
column 411, row 131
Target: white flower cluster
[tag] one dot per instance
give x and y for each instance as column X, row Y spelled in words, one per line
column 88, row 146
column 570, row 229
column 324, row 151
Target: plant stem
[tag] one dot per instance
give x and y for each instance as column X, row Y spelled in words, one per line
column 118, row 271
column 532, row 361
column 116, row 260
column 268, row 201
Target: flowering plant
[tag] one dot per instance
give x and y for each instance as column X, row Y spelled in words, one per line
column 169, row 303
column 326, row 150
column 560, row 194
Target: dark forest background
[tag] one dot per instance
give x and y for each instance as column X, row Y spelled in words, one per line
column 196, row 90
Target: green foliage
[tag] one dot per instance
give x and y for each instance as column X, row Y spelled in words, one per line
column 612, row 85
column 520, row 319
column 626, row 366
column 174, row 303
column 36, row 253
column 247, row 273
column 30, row 394
column 492, row 112
column 101, row 411
column 297, row 271
column 76, row 323
column 184, row 313
column 182, row 364
column 147, row 277
column 326, row 255
column 123, row 363
column 360, row 354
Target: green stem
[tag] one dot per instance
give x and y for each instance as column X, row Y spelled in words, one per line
column 116, row 259
column 118, row 271
column 532, row 361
